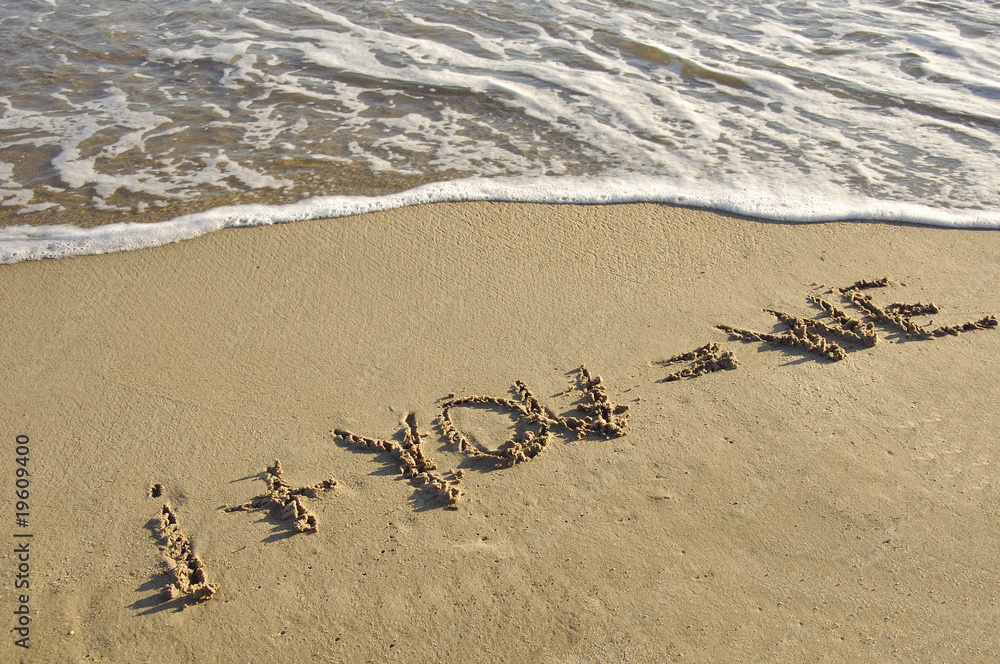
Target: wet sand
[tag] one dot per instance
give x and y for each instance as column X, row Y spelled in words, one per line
column 786, row 508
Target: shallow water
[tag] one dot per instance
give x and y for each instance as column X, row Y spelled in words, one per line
column 126, row 112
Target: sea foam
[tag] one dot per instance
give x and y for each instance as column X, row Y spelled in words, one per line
column 853, row 100
column 18, row 243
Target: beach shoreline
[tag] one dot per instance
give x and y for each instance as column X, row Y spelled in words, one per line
column 791, row 508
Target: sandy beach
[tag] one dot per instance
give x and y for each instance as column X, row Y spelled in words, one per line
column 792, row 509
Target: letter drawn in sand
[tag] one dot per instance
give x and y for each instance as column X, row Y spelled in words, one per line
column 797, row 336
column 413, row 464
column 815, row 336
column 602, row 418
column 899, row 315
column 188, row 573
column 290, row 502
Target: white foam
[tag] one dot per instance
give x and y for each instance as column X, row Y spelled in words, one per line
column 18, row 243
column 857, row 101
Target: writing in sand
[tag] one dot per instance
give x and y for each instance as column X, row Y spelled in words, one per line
column 850, row 323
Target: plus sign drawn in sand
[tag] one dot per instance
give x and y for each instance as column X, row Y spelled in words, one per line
column 189, row 576
column 288, row 501
column 601, row 418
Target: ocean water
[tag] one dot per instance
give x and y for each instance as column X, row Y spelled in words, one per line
column 130, row 124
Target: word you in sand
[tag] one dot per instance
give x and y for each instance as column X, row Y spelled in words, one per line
column 600, row 418
column 824, row 338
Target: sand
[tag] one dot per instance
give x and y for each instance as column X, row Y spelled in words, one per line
column 790, row 509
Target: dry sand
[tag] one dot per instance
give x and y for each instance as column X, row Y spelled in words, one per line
column 793, row 509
